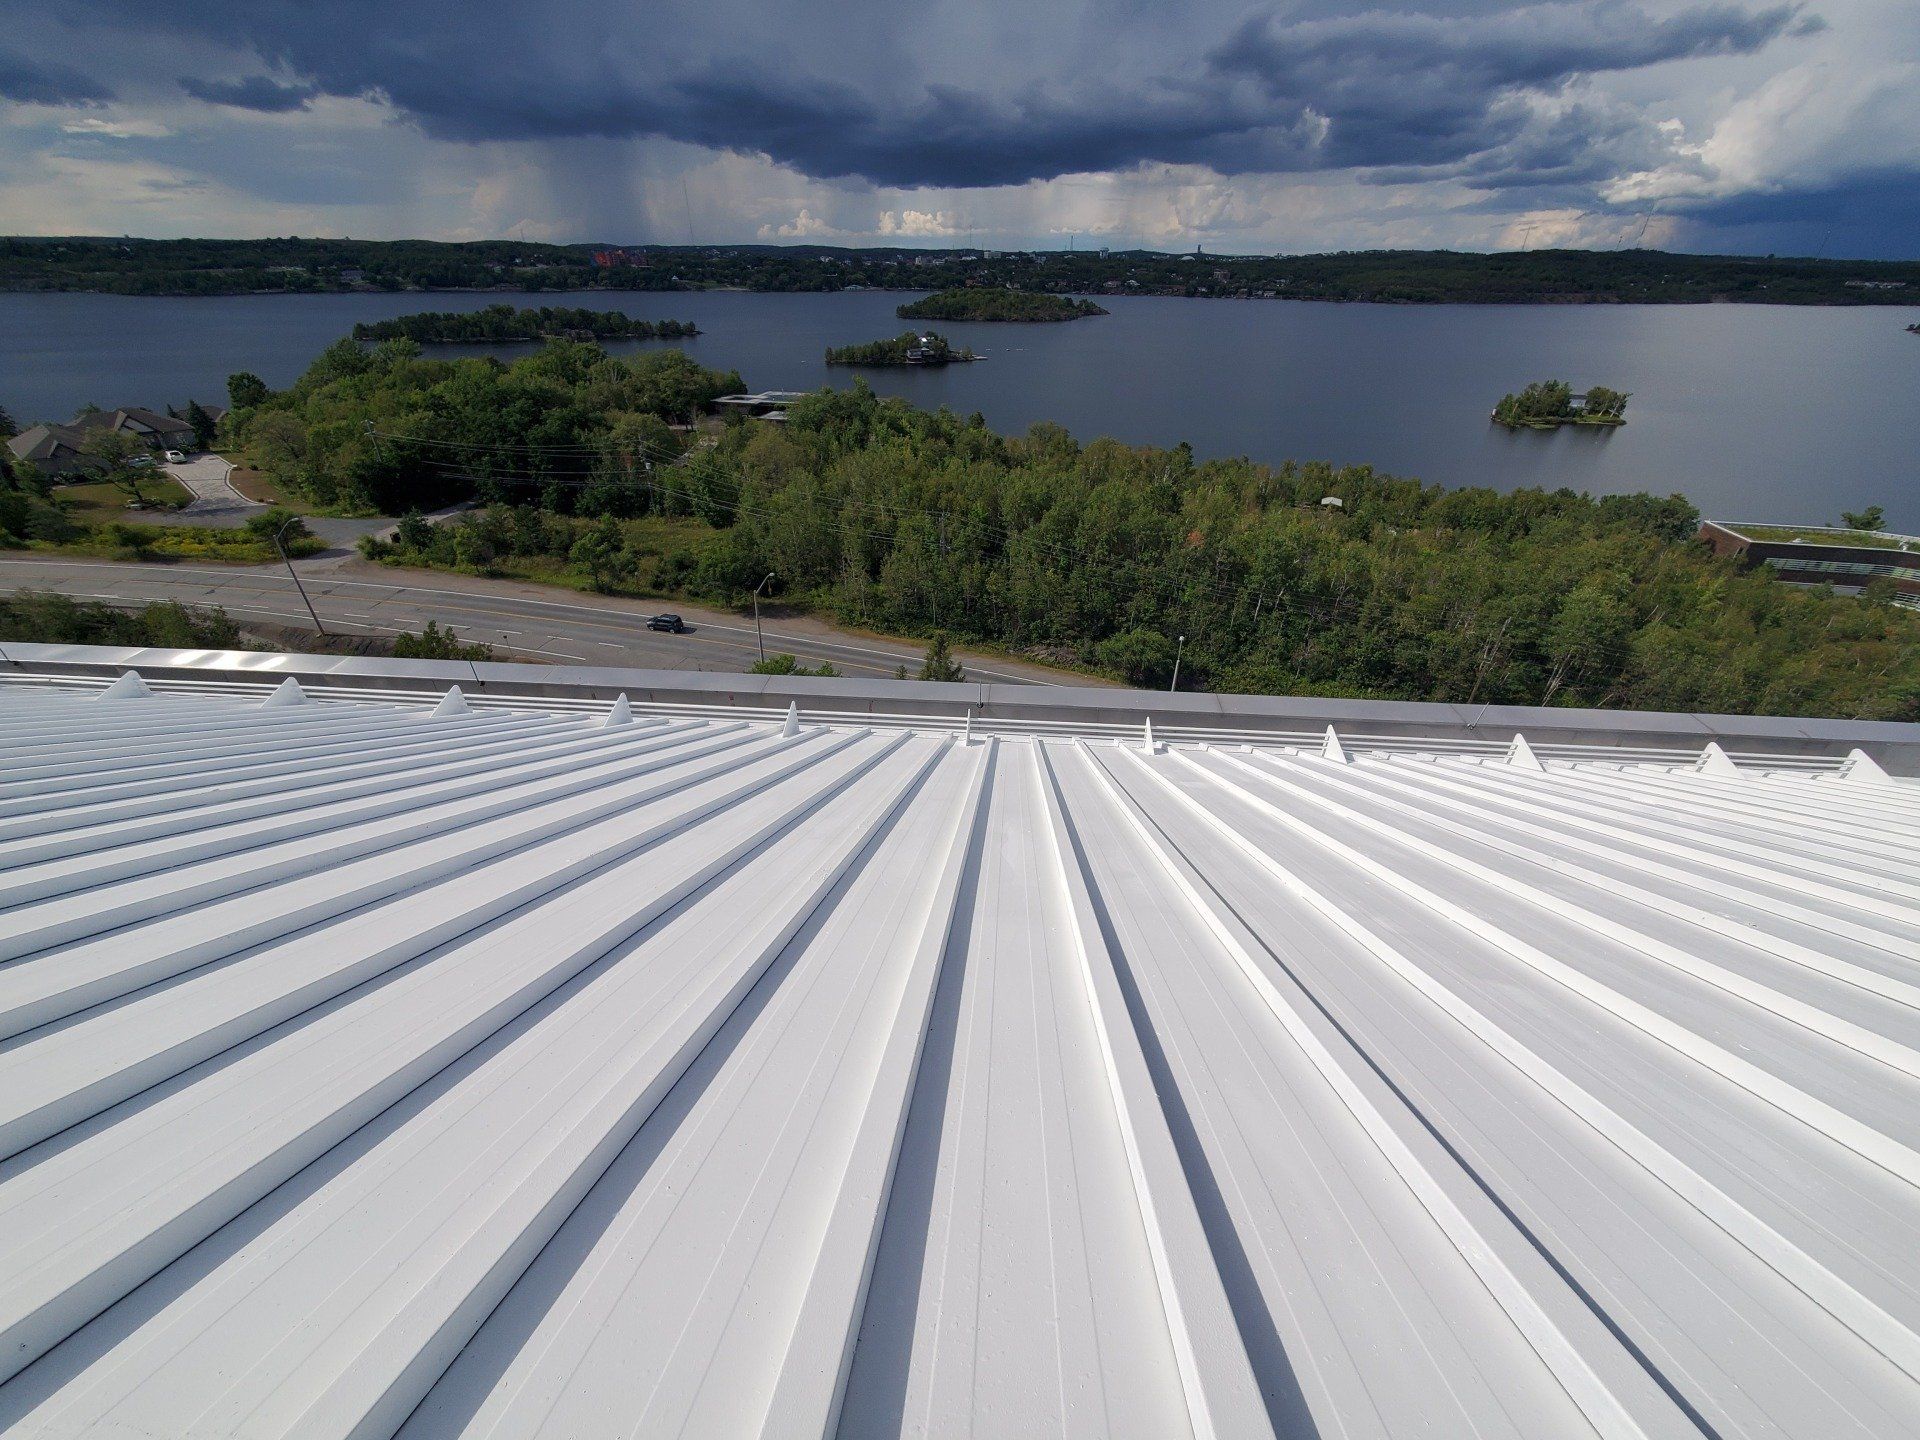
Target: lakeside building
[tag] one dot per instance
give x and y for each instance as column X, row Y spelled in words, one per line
column 162, row 432
column 761, row 405
column 56, row 451
column 59, row 451
column 765, row 1055
column 1848, row 560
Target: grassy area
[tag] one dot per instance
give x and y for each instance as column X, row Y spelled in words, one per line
column 651, row 538
column 256, row 485
column 98, row 503
column 1872, row 539
column 167, row 543
column 260, row 486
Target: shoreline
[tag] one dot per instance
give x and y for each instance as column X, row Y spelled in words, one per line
column 1104, row 297
column 1555, row 422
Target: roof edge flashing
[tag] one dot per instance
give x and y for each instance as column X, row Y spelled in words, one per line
column 1895, row 745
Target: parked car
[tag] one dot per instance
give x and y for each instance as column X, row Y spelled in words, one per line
column 673, row 624
column 176, row 457
column 140, row 462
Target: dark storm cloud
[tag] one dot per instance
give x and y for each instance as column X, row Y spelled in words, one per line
column 1552, row 148
column 46, row 82
column 943, row 136
column 1374, row 89
column 1864, row 213
column 256, row 92
column 1269, row 94
column 1408, row 89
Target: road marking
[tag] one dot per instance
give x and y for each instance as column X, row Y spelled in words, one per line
column 607, row 619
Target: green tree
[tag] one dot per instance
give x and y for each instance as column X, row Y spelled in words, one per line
column 603, row 556
column 246, row 390
column 204, row 425
column 1604, row 403
column 119, row 459
column 269, row 522
column 1589, row 631
column 472, row 549
column 1140, row 656
column 1870, row 518
column 414, row 532
column 939, row 663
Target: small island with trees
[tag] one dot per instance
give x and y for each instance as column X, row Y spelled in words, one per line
column 502, row 323
column 985, row 303
column 908, row 349
column 1548, row 404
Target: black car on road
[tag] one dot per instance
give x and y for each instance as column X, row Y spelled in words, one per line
column 672, row 624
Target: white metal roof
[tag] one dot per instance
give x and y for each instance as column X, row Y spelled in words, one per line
column 372, row 1071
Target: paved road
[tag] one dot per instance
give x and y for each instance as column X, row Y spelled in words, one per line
column 520, row 621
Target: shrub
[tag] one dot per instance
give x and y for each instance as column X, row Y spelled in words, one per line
column 784, row 664
column 939, row 663
column 433, row 643
column 267, row 523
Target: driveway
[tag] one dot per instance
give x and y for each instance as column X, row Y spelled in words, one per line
column 218, row 504
column 215, row 501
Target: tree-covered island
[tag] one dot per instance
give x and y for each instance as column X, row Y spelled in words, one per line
column 912, row 348
column 1547, row 404
column 503, row 323
column 997, row 304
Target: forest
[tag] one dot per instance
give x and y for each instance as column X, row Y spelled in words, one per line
column 998, row 304
column 237, row 267
column 381, row 430
column 1090, row 553
column 497, row 323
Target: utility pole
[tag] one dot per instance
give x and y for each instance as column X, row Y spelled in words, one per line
column 288, row 562
column 758, row 638
column 1180, row 651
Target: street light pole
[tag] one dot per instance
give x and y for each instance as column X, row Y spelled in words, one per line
column 288, row 562
column 1175, row 683
column 758, row 638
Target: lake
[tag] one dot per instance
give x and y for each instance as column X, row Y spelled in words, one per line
column 1772, row 413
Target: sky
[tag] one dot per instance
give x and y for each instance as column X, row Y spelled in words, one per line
column 1726, row 126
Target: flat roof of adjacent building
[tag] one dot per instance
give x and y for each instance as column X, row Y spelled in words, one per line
column 1843, row 536
column 377, row 1061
